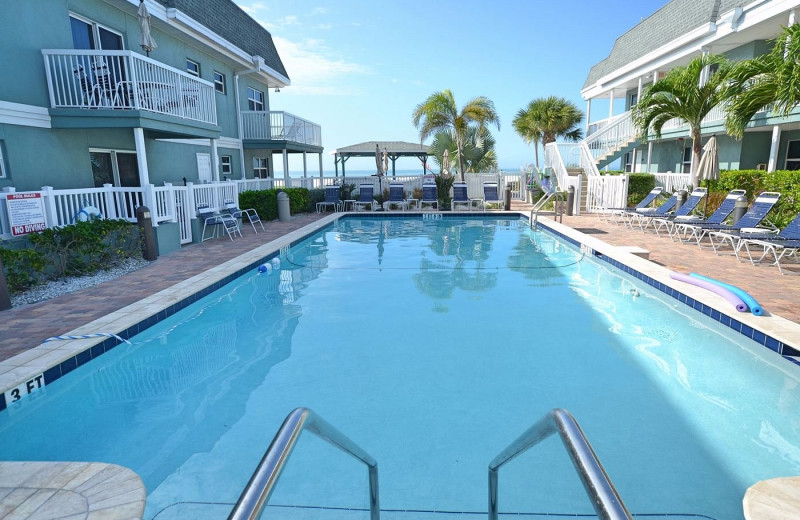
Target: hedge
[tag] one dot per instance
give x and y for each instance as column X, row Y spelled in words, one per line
column 639, row 185
column 785, row 182
column 265, row 202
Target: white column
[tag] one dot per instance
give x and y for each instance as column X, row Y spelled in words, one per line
column 639, row 90
column 588, row 114
column 649, row 155
column 320, row 165
column 286, row 178
column 772, row 165
column 705, row 51
column 792, row 17
column 214, row 160
column 141, row 156
column 305, row 169
column 611, row 104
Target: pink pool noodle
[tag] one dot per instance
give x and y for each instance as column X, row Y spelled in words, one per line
column 725, row 293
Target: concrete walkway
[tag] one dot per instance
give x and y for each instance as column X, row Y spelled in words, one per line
column 25, row 327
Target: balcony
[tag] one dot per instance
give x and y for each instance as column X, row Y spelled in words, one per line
column 122, row 84
column 280, row 126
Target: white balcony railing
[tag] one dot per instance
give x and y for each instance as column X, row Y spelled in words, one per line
column 124, row 80
column 280, row 126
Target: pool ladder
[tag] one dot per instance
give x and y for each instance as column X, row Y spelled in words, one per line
column 606, row 501
column 558, row 201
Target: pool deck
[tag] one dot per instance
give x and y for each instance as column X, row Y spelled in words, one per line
column 25, row 327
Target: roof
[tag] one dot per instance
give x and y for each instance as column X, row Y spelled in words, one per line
column 392, row 148
column 229, row 21
column 675, row 19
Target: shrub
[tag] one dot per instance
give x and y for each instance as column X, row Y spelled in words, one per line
column 265, row 202
column 443, row 185
column 786, row 182
column 639, row 185
column 314, row 196
column 23, row 268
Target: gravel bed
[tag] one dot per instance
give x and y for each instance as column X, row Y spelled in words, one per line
column 58, row 287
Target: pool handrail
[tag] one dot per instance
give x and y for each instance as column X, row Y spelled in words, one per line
column 606, row 501
column 258, row 490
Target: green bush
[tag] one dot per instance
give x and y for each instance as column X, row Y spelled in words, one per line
column 443, row 185
column 23, row 268
column 314, row 196
column 785, row 182
column 265, row 202
column 639, row 185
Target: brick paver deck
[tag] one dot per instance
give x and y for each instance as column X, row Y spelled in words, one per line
column 25, row 327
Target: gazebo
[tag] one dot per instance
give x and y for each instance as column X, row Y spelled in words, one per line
column 394, row 149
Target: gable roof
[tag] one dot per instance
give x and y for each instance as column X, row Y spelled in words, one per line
column 229, row 21
column 675, row 19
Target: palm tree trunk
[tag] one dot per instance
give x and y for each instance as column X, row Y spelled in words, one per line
column 460, row 157
column 536, row 151
column 696, row 151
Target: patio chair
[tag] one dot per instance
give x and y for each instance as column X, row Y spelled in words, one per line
column 615, row 214
column 491, row 195
column 430, row 196
column 91, row 91
column 249, row 214
column 216, row 221
column 332, row 198
column 460, row 196
column 784, row 244
column 396, row 196
column 365, row 198
column 751, row 223
column 688, row 228
column 644, row 218
column 697, row 195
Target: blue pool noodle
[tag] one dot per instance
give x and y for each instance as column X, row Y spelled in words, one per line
column 755, row 308
column 718, row 289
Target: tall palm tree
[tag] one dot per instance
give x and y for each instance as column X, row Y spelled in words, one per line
column 681, row 94
column 528, row 130
column 552, row 117
column 439, row 112
column 768, row 80
column 479, row 154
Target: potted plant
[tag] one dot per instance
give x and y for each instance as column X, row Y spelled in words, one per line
column 444, row 182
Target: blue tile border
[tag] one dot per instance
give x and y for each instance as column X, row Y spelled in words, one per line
column 759, row 337
column 70, row 364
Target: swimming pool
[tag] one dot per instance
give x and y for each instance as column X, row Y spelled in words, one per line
column 432, row 343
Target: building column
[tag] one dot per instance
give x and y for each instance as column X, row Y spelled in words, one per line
column 320, row 166
column 214, row 160
column 611, row 104
column 792, row 17
column 588, row 114
column 286, row 178
column 141, row 156
column 772, row 165
column 649, row 155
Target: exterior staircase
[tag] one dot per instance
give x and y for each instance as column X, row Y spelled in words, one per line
column 613, row 140
column 573, row 172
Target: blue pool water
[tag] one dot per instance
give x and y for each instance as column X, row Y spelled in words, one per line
column 432, row 344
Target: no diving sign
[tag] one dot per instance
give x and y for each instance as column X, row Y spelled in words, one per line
column 25, row 213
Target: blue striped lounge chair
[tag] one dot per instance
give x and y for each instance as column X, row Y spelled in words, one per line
column 753, row 222
column 365, row 198
column 618, row 214
column 780, row 246
column 396, row 196
column 644, row 218
column 689, row 228
column 332, row 198
column 430, row 195
column 491, row 195
column 460, row 197
column 685, row 211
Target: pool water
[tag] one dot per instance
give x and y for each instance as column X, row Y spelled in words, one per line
column 432, row 344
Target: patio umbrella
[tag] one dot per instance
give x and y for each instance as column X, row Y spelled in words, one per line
column 378, row 160
column 446, row 161
column 385, row 161
column 708, row 168
column 146, row 41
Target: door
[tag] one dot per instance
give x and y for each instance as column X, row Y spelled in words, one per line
column 204, row 167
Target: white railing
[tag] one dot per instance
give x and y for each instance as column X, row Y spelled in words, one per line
column 124, row 80
column 280, row 126
column 606, row 191
column 672, row 182
column 553, row 162
column 613, row 136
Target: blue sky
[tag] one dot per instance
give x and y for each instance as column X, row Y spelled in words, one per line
column 359, row 68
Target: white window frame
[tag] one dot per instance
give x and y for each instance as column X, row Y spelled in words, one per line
column 96, row 29
column 114, row 164
column 253, row 103
column 260, row 167
column 219, row 85
column 790, row 159
column 190, row 71
column 225, row 165
column 627, row 162
column 2, row 162
column 686, row 166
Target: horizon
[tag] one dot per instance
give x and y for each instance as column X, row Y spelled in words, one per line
column 359, row 71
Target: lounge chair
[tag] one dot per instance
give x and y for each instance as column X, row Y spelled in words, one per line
column 750, row 223
column 365, row 198
column 249, row 214
column 491, row 195
column 684, row 212
column 643, row 218
column 430, row 196
column 396, row 196
column 332, row 198
column 460, row 196
column 217, row 221
column 615, row 214
column 784, row 244
column 689, row 228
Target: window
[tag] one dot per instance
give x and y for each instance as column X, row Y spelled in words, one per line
column 2, row 163
column 193, row 68
column 260, row 168
column 255, row 99
column 634, row 98
column 686, row 162
column 88, row 35
column 626, row 162
column 116, row 167
column 219, row 82
column 793, row 156
column 225, row 165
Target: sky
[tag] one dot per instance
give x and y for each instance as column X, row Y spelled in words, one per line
column 358, row 69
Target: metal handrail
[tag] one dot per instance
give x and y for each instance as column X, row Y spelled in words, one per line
column 258, row 490
column 606, row 501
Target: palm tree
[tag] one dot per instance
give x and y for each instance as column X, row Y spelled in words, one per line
column 768, row 80
column 439, row 112
column 479, row 154
column 681, row 94
column 553, row 117
column 527, row 129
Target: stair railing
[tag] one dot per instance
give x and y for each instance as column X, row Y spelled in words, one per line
column 259, row 488
column 612, row 136
column 606, row 501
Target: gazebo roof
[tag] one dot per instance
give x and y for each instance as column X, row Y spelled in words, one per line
column 393, row 148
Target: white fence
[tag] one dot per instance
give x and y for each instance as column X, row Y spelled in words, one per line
column 672, row 182
column 280, row 126
column 606, row 191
